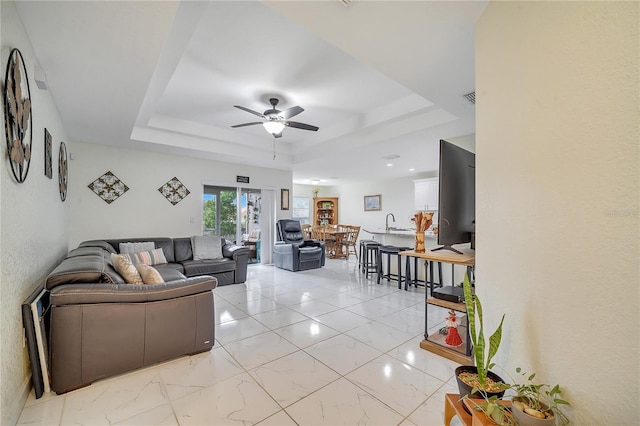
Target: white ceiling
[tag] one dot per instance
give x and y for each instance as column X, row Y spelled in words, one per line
column 378, row 77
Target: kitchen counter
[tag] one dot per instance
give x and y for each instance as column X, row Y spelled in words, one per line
column 401, row 237
column 398, row 231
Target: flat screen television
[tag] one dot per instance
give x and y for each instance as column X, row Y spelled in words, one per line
column 457, row 196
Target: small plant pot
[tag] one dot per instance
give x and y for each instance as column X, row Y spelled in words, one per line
column 524, row 419
column 465, row 389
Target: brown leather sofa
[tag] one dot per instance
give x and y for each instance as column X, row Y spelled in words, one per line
column 100, row 326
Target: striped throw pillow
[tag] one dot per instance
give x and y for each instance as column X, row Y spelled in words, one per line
column 149, row 257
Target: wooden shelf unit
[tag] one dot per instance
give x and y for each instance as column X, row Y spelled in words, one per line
column 435, row 342
column 325, row 211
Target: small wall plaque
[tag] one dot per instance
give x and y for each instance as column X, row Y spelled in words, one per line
column 242, row 179
column 174, row 191
column 108, row 187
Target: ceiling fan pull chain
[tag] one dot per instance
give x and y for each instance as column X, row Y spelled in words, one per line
column 274, row 149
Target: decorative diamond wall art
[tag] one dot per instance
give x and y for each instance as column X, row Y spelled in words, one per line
column 108, row 187
column 17, row 116
column 48, row 166
column 174, row 191
column 63, row 171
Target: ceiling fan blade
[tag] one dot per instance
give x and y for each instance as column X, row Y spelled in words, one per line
column 302, row 126
column 248, row 124
column 291, row 112
column 250, row 111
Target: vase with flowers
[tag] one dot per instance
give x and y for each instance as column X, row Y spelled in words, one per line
column 315, row 192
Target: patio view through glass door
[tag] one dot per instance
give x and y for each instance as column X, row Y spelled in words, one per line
column 232, row 213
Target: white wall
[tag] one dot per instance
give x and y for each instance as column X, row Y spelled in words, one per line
column 33, row 223
column 557, row 91
column 142, row 211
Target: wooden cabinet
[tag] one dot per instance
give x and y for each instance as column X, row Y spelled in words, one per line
column 325, row 211
column 426, row 194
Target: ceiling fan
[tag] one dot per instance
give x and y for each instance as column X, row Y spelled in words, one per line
column 275, row 120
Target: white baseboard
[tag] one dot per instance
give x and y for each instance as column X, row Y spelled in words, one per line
column 12, row 415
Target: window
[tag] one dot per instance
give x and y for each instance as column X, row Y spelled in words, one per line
column 301, row 210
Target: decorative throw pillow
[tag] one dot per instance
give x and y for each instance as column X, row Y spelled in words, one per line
column 151, row 257
column 149, row 274
column 206, row 247
column 126, row 269
column 128, row 248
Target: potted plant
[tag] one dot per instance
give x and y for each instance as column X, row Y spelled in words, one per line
column 477, row 381
column 537, row 404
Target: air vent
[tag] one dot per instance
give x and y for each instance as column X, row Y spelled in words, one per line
column 391, row 157
column 471, row 97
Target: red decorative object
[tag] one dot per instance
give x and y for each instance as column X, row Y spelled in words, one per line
column 453, row 337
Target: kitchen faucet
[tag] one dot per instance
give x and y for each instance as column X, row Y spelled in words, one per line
column 386, row 220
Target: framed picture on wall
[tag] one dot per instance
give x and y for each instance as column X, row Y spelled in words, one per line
column 372, row 202
column 284, row 199
column 48, row 162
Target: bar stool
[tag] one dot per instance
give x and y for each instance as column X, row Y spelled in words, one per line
column 369, row 256
column 361, row 258
column 390, row 251
column 428, row 275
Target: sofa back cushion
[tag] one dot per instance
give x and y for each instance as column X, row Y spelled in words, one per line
column 182, row 249
column 83, row 265
column 100, row 244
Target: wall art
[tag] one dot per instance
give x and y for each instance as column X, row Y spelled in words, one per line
column 63, row 171
column 17, row 116
column 284, row 199
column 371, row 202
column 48, row 162
column 108, row 187
column 174, row 191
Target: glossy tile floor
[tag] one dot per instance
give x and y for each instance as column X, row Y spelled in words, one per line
column 319, row 347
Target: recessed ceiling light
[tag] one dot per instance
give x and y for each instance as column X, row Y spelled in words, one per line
column 412, row 170
column 389, row 164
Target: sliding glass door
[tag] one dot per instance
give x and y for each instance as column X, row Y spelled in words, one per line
column 229, row 212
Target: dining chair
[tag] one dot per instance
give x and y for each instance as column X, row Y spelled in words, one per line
column 351, row 240
column 317, row 233
column 306, row 231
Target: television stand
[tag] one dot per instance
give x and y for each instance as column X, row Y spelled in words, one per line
column 447, row 247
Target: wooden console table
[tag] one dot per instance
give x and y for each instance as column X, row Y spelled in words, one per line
column 435, row 343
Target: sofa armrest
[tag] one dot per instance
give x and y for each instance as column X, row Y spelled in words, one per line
column 75, row 294
column 232, row 251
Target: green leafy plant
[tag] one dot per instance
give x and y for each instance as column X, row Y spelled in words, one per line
column 539, row 399
column 482, row 356
column 496, row 411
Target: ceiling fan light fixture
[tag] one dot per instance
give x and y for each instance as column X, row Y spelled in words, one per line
column 273, row 127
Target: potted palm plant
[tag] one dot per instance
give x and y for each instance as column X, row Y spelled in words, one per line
column 477, row 381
